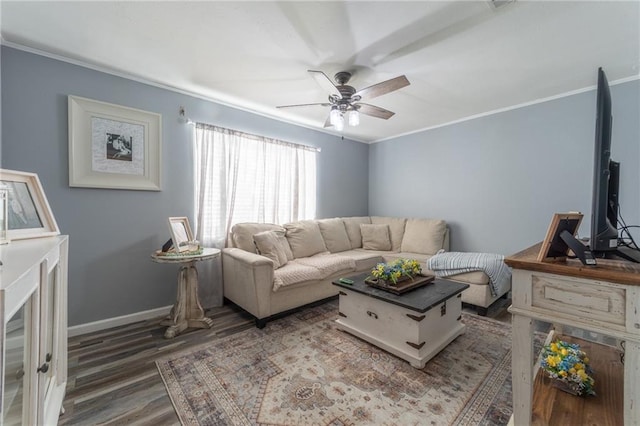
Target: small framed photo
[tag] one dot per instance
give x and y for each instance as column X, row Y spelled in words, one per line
column 28, row 212
column 553, row 247
column 112, row 146
column 181, row 234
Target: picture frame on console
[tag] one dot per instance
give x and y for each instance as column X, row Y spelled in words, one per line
column 554, row 248
column 28, row 212
column 113, row 146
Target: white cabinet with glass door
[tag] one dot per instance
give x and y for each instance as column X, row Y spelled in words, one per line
column 33, row 330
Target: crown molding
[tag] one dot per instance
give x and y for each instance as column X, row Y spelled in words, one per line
column 511, row 108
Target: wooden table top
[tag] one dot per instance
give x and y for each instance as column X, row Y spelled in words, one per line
column 420, row 299
column 616, row 271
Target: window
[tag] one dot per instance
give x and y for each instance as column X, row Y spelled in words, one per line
column 246, row 178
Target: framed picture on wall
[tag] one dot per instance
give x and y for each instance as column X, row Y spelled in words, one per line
column 28, row 212
column 112, row 146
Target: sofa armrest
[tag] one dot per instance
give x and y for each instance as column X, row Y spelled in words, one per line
column 244, row 256
column 248, row 280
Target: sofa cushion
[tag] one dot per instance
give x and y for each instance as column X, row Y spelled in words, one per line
column 365, row 260
column 352, row 225
column 304, row 238
column 269, row 245
column 242, row 234
column 329, row 264
column 396, row 229
column 284, row 243
column 375, row 237
column 475, row 277
column 334, row 234
column 294, row 273
column 425, row 236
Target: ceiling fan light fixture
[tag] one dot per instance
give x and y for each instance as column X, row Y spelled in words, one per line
column 339, row 125
column 335, row 116
column 354, row 118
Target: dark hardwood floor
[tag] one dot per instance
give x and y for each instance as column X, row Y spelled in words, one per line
column 112, row 376
column 113, row 379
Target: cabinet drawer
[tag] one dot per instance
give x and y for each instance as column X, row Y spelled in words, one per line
column 589, row 300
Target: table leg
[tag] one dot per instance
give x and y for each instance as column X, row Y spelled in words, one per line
column 187, row 311
column 168, row 320
column 522, row 368
column 631, row 383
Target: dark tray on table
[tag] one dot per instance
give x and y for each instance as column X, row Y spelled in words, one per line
column 403, row 286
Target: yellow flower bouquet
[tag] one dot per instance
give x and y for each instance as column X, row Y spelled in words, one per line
column 396, row 271
column 567, row 363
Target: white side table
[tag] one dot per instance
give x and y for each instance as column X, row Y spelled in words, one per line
column 187, row 311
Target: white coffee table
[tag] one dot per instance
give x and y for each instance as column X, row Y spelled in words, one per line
column 414, row 326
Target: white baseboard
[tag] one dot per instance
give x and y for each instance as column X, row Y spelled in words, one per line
column 91, row 327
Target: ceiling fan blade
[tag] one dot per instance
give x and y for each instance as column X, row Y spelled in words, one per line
column 375, row 111
column 325, row 82
column 382, row 88
column 322, row 104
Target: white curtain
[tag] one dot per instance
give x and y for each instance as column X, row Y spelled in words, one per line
column 248, row 178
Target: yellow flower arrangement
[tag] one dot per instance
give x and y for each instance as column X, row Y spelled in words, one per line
column 394, row 271
column 566, row 362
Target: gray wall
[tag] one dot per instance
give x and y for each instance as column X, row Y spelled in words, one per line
column 498, row 180
column 113, row 232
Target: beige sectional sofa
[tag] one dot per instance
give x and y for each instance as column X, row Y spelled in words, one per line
column 269, row 269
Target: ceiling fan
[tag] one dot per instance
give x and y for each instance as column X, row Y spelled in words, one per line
column 346, row 100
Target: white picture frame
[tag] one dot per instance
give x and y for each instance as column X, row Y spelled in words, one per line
column 181, row 234
column 112, row 146
column 28, row 214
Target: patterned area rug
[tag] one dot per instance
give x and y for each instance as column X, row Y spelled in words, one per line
column 301, row 370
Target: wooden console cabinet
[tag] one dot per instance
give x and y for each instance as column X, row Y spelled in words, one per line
column 33, row 330
column 604, row 299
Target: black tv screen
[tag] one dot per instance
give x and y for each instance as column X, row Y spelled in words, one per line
column 604, row 234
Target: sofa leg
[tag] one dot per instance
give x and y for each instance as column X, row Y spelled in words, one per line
column 482, row 311
column 261, row 322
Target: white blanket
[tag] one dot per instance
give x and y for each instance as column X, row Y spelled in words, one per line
column 445, row 264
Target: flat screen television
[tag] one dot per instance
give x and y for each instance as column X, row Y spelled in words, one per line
column 604, row 239
column 604, row 232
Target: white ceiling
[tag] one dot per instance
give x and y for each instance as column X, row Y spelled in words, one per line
column 462, row 58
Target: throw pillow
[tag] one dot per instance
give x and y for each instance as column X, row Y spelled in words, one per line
column 396, row 229
column 424, row 236
column 352, row 225
column 242, row 234
column 284, row 244
column 334, row 235
column 268, row 245
column 304, row 238
column 375, row 237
